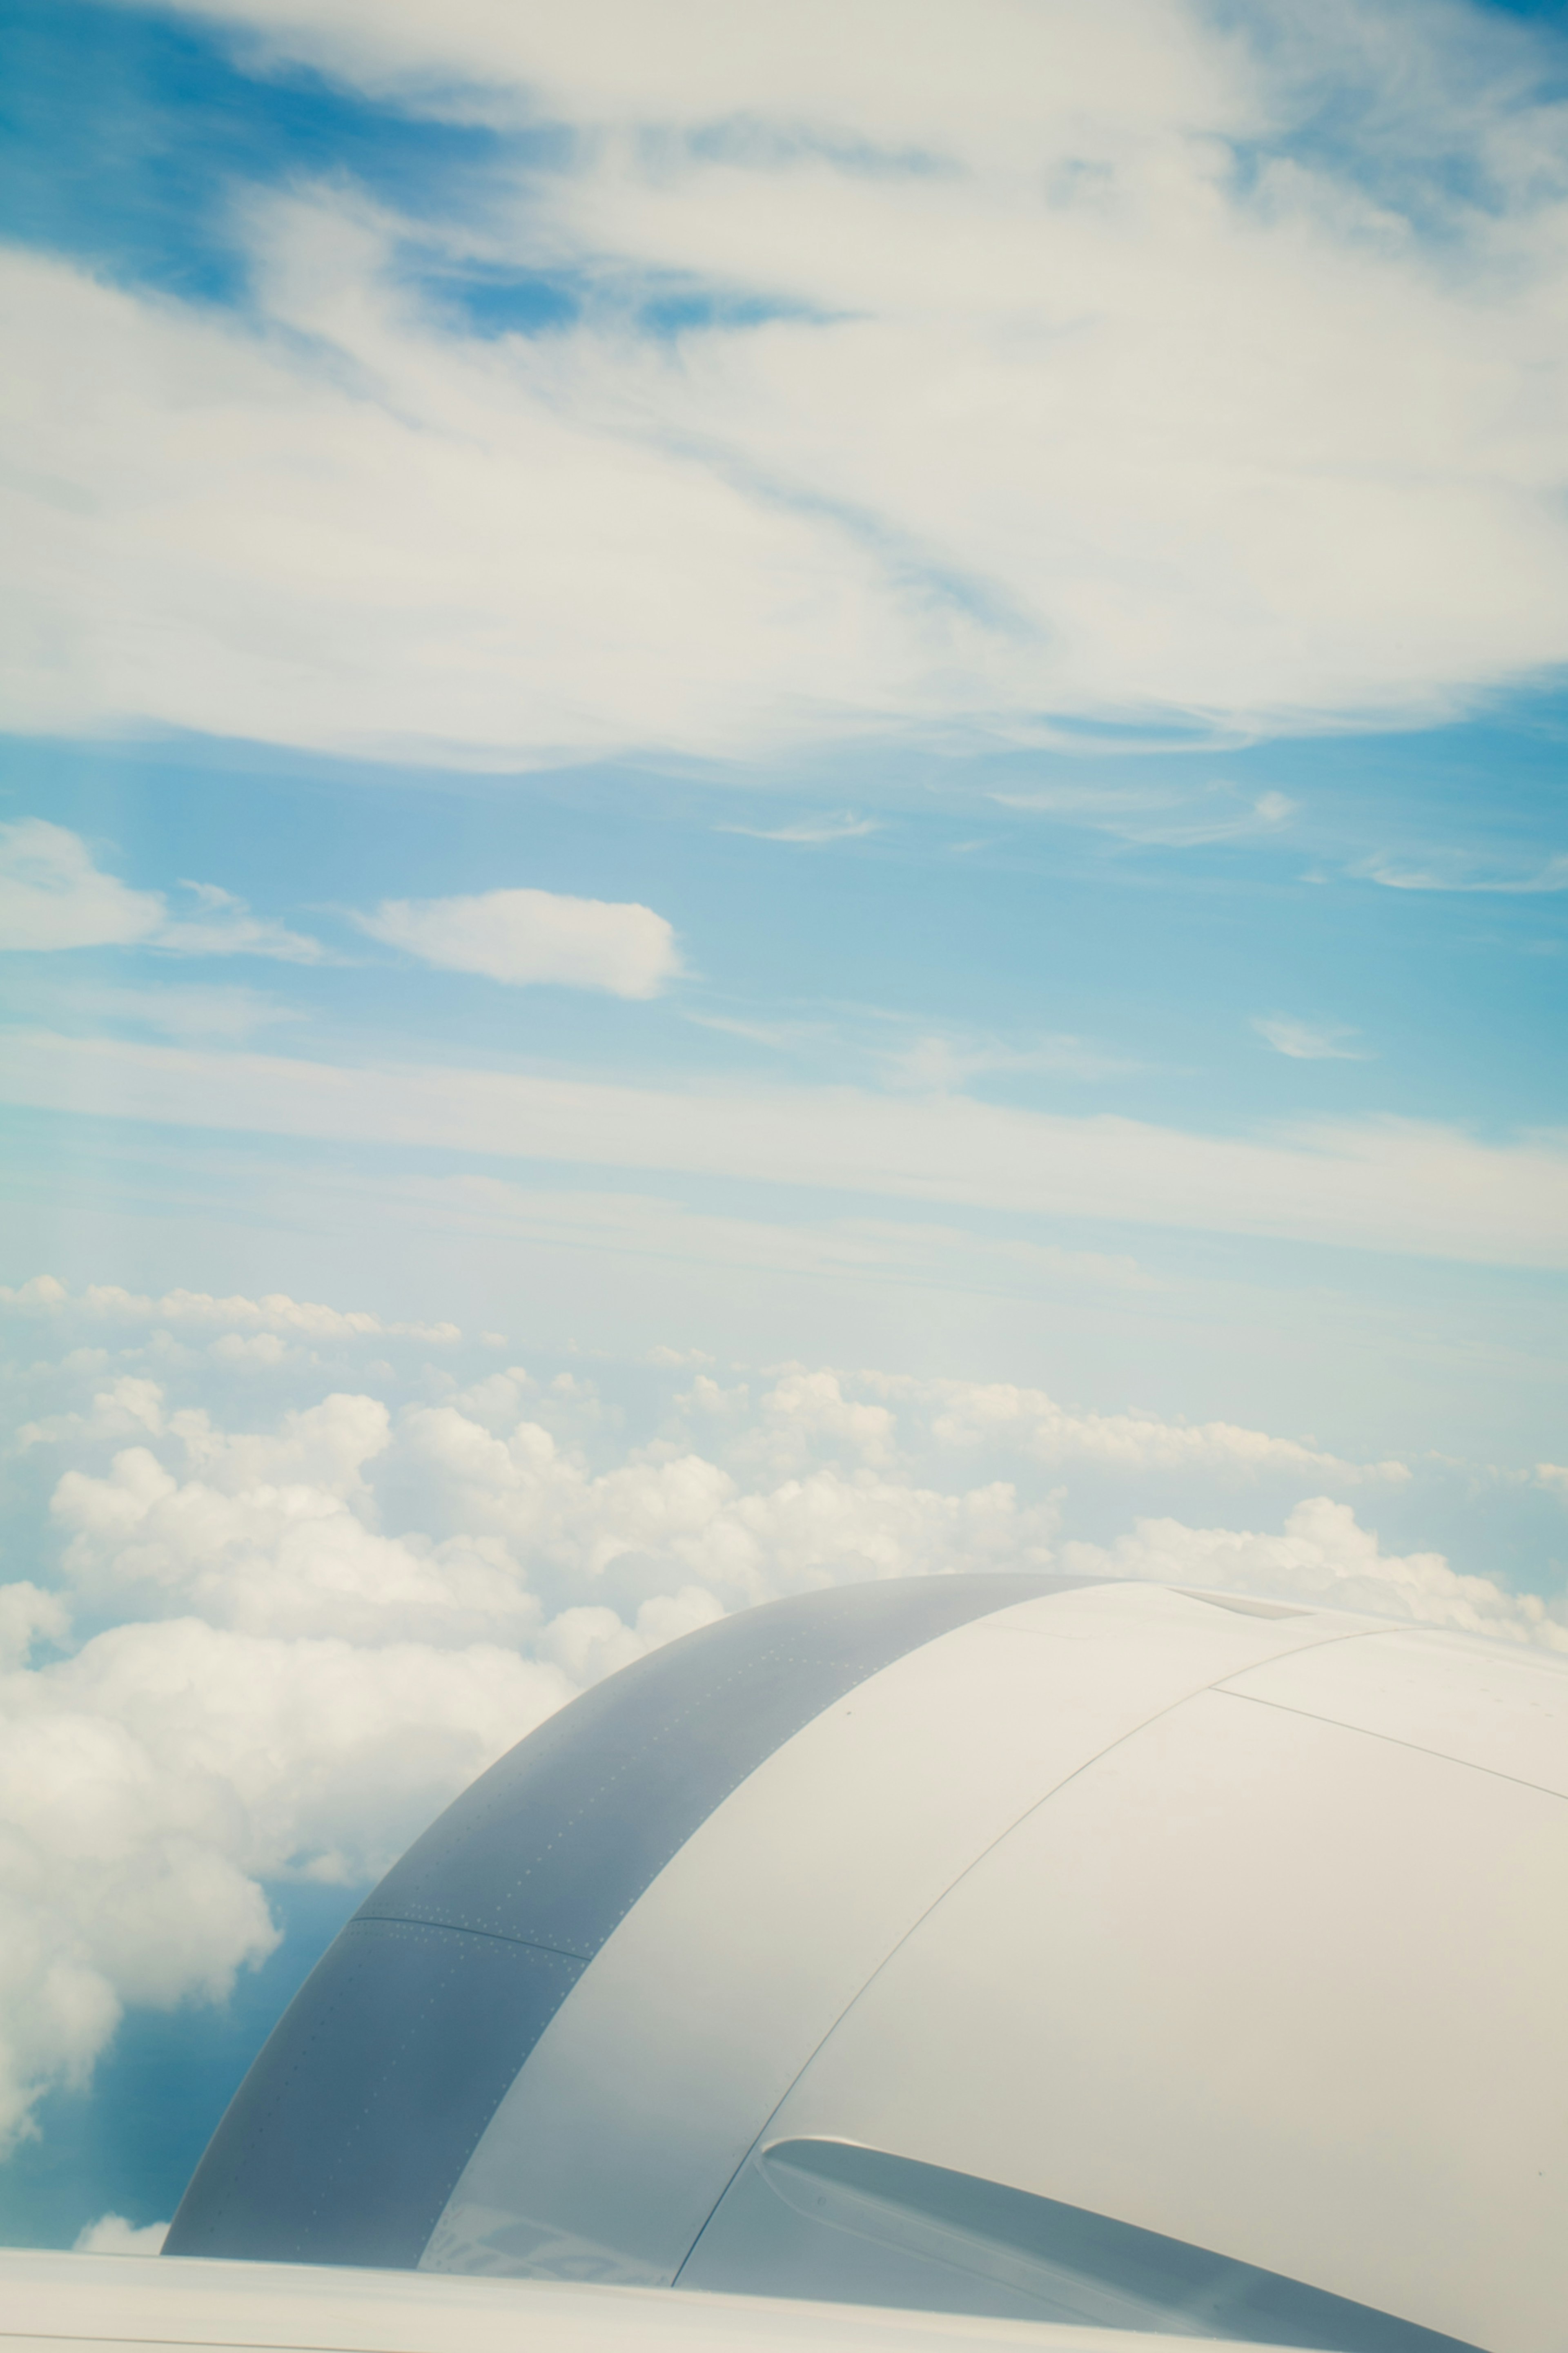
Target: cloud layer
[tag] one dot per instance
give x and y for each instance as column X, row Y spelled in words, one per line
column 1398, row 1185
column 1030, row 363
column 301, row 1624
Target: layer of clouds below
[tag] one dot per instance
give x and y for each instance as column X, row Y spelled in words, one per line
column 1054, row 358
column 303, row 1623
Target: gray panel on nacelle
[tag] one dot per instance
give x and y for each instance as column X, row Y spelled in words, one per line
column 554, row 1844
column 346, row 2139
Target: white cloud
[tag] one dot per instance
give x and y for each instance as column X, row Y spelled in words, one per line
column 224, row 926
column 150, row 1782
column 27, row 1615
column 1398, row 1185
column 913, row 1252
column 930, row 1061
column 1079, row 365
column 111, row 2234
column 938, row 1065
column 1323, row 1555
column 1458, row 873
column 131, row 1402
column 812, row 832
column 185, row 1012
column 268, row 1349
column 52, row 896
column 1161, row 816
column 971, row 1412
column 276, row 1313
column 1305, row 1041
column 532, row 937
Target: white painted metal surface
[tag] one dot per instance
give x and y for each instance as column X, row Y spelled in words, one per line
column 50, row 2302
column 1483, row 1703
column 641, row 2099
column 1271, row 1986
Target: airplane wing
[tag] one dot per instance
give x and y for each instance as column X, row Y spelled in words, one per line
column 52, row 2303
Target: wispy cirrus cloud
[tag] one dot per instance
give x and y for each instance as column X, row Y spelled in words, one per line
column 1406, row 1186
column 1162, row 816
column 1309, row 1041
column 1458, row 872
column 812, row 832
column 939, row 1064
column 222, row 924
column 180, row 1011
column 54, row 896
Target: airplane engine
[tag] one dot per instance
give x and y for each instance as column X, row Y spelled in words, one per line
column 1100, row 1952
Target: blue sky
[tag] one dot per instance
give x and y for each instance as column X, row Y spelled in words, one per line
column 737, row 694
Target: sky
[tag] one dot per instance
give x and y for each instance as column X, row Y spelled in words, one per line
column 782, row 799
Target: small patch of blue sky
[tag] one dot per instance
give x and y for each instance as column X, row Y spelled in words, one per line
column 487, row 299
column 125, row 136
column 1552, row 13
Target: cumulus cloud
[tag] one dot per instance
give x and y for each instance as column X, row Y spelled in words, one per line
column 969, row 1413
column 53, row 896
column 532, row 937
column 1324, row 1556
column 1068, row 361
column 275, row 1313
column 111, row 2234
column 150, row 1782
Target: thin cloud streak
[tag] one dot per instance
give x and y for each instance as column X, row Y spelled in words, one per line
column 1305, row 1041
column 1390, row 1184
column 1159, row 818
column 811, row 832
column 1552, row 876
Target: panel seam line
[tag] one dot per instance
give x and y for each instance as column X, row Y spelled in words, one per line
column 494, row 1936
column 1391, row 1739
column 1355, row 1634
